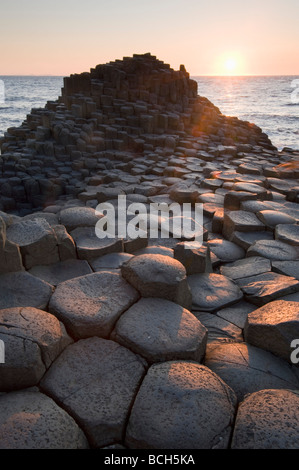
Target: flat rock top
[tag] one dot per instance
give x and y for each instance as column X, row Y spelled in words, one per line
column 211, row 292
column 31, row 420
column 156, row 250
column 110, row 261
column 289, row 268
column 51, row 218
column 246, row 368
column 181, row 405
column 96, row 381
column 248, row 187
column 226, row 250
column 85, row 237
column 161, row 330
column 246, row 267
column 274, row 250
column 272, row 217
column 246, row 239
column 62, row 271
column 244, row 218
column 268, row 419
column 237, row 313
column 278, row 311
column 90, row 305
column 74, row 217
column 219, row 329
column 158, row 276
column 21, row 289
column 266, row 287
column 27, row 232
column 155, row 268
column 288, row 233
column 37, row 326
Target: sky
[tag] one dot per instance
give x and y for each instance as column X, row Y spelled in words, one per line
column 215, row 37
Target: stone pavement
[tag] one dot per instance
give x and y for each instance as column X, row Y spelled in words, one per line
column 142, row 343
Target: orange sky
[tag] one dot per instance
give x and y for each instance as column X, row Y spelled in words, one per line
column 260, row 37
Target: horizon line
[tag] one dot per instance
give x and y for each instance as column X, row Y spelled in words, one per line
column 191, row 75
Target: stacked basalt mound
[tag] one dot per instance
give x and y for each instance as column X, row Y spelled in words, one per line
column 141, row 343
column 109, row 118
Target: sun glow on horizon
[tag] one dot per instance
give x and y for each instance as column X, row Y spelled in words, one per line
column 230, row 64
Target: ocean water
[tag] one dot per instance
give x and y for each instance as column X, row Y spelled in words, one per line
column 271, row 103
column 21, row 94
column 265, row 101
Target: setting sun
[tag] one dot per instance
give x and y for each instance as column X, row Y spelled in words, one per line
column 230, row 65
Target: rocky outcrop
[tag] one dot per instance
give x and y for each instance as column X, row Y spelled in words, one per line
column 107, row 118
column 147, row 342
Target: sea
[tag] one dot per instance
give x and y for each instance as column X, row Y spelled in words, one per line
column 271, row 102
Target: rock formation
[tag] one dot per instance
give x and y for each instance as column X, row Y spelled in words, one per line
column 110, row 118
column 140, row 342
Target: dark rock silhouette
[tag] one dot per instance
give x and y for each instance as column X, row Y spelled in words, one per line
column 119, row 111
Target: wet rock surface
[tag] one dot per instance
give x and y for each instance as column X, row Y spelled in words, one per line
column 149, row 342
